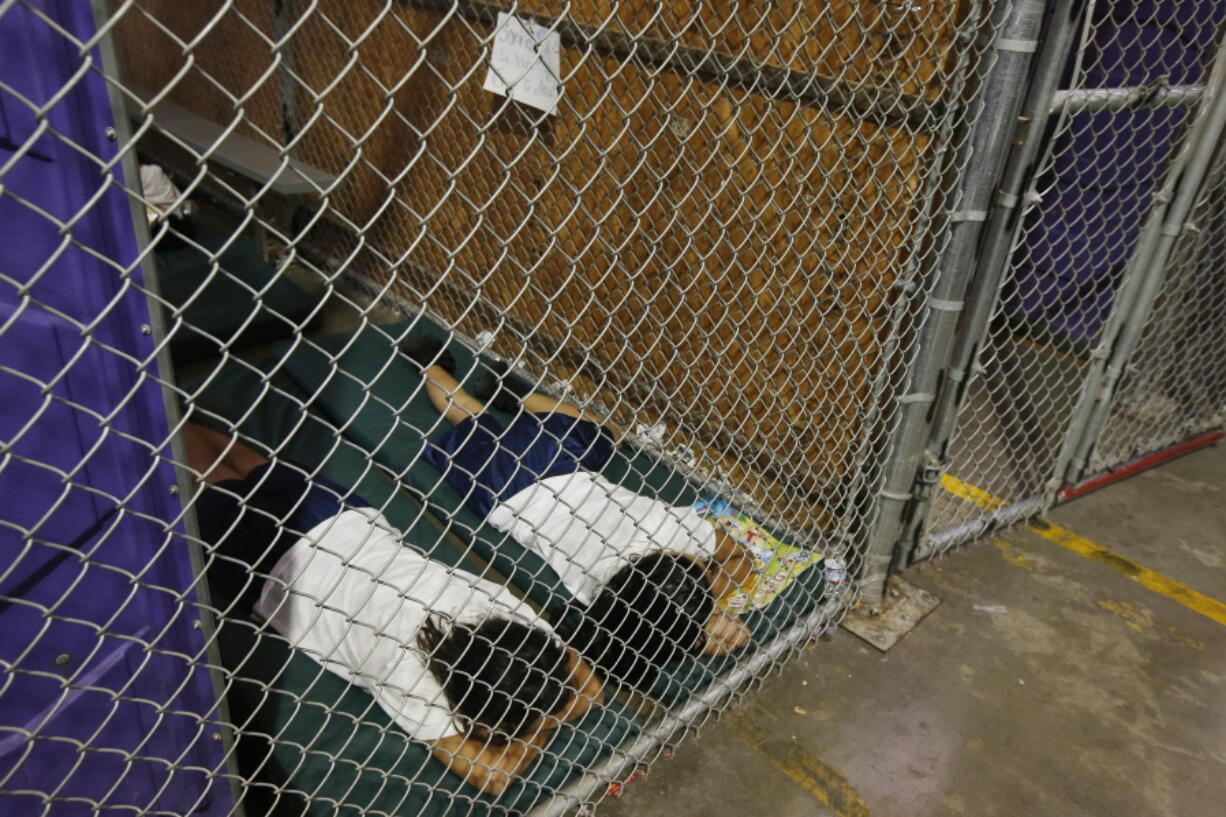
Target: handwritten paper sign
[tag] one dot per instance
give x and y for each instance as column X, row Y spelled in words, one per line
column 526, row 63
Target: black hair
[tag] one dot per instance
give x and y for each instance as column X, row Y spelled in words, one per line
column 650, row 613
column 499, row 675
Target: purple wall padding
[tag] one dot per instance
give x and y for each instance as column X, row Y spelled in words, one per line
column 102, row 698
column 1108, row 165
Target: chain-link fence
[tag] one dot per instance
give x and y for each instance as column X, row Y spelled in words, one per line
column 1174, row 387
column 1121, row 103
column 445, row 407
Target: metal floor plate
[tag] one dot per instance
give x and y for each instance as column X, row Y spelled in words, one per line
column 905, row 607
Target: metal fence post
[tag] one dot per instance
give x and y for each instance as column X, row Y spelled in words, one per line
column 1013, row 197
column 1147, row 268
column 1000, row 98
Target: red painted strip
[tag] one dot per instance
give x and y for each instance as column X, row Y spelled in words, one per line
column 1137, row 466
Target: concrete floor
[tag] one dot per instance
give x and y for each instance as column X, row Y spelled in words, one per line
column 1088, row 695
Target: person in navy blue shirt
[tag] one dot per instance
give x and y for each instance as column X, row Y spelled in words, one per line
column 647, row 575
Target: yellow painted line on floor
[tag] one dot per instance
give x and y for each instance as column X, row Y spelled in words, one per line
column 976, row 496
column 826, row 785
column 1195, row 601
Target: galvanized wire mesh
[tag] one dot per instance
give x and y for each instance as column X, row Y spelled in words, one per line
column 721, row 243
column 1131, row 88
column 1174, row 386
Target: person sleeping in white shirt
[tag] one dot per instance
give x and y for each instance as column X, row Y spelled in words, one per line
column 456, row 661
column 647, row 575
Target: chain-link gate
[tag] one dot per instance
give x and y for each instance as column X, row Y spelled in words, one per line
column 444, row 407
column 1120, row 104
column 1174, row 388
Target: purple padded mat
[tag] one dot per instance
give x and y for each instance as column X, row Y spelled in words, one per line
column 100, row 699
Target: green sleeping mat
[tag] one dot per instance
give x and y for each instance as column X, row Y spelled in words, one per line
column 374, row 395
column 683, row 678
column 303, row 730
column 362, row 384
column 239, row 303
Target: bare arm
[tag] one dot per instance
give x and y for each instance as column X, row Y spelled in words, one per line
column 217, row 457
column 490, row 768
column 451, row 401
column 590, row 694
column 538, row 403
column 493, row 768
column 583, row 679
column 725, row 633
column 731, row 566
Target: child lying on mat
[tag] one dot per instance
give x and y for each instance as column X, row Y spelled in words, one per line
column 647, row 574
column 456, row 661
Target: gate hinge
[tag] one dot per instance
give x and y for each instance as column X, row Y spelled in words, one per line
column 929, row 473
